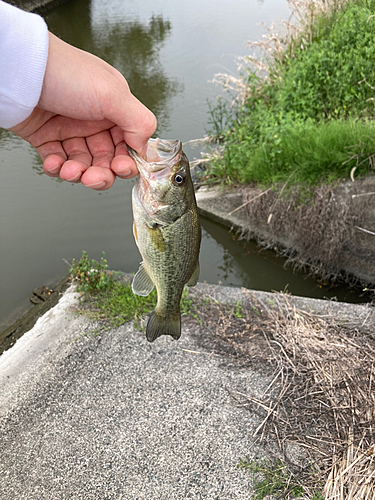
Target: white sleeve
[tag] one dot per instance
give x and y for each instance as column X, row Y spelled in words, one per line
column 23, row 59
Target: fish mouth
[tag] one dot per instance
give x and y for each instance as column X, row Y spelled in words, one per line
column 160, row 154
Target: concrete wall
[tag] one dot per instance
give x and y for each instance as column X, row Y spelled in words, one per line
column 324, row 235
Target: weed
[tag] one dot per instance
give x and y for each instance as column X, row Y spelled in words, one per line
column 188, row 306
column 237, row 311
column 90, row 275
column 274, row 478
column 255, row 310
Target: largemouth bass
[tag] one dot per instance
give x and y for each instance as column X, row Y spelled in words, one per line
column 167, row 232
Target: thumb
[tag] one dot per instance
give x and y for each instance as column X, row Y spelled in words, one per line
column 137, row 122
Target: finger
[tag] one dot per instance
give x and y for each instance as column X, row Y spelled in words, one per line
column 101, row 148
column 122, row 165
column 53, row 156
column 141, row 127
column 79, row 159
column 137, row 122
column 98, row 178
column 61, row 128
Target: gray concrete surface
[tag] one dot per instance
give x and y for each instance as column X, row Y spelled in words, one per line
column 111, row 416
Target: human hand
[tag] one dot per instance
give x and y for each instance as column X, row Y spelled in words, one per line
column 85, row 118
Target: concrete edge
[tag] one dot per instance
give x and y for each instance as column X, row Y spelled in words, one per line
column 49, row 333
column 225, row 205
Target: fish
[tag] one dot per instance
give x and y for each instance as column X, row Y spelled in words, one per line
column 167, row 232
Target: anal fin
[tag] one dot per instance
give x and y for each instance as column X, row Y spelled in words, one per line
column 142, row 283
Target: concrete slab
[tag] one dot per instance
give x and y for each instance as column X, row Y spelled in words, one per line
column 112, row 416
column 102, row 416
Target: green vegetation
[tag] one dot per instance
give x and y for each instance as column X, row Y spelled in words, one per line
column 237, row 311
column 118, row 304
column 310, row 119
column 109, row 299
column 105, row 297
column 274, row 478
column 90, row 275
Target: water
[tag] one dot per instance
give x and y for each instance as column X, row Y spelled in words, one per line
column 168, row 50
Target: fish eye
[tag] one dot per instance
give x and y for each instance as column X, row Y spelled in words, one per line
column 179, row 178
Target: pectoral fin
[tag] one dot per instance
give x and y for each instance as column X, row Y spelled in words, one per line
column 194, row 277
column 142, row 283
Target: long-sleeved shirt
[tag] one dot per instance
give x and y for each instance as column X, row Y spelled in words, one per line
column 23, row 59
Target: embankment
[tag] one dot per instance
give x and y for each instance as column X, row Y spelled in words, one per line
column 329, row 233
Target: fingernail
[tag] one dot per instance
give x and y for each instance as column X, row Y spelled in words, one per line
column 54, row 170
column 98, row 185
column 124, row 173
column 74, row 179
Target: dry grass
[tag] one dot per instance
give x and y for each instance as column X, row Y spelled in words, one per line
column 322, row 394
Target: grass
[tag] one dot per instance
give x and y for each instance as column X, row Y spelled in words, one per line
column 307, row 153
column 104, row 296
column 109, row 299
column 118, row 304
column 303, row 115
column 272, row 478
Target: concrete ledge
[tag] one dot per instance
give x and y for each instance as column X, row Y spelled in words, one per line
column 94, row 416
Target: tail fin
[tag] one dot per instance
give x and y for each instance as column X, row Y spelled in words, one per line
column 157, row 326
